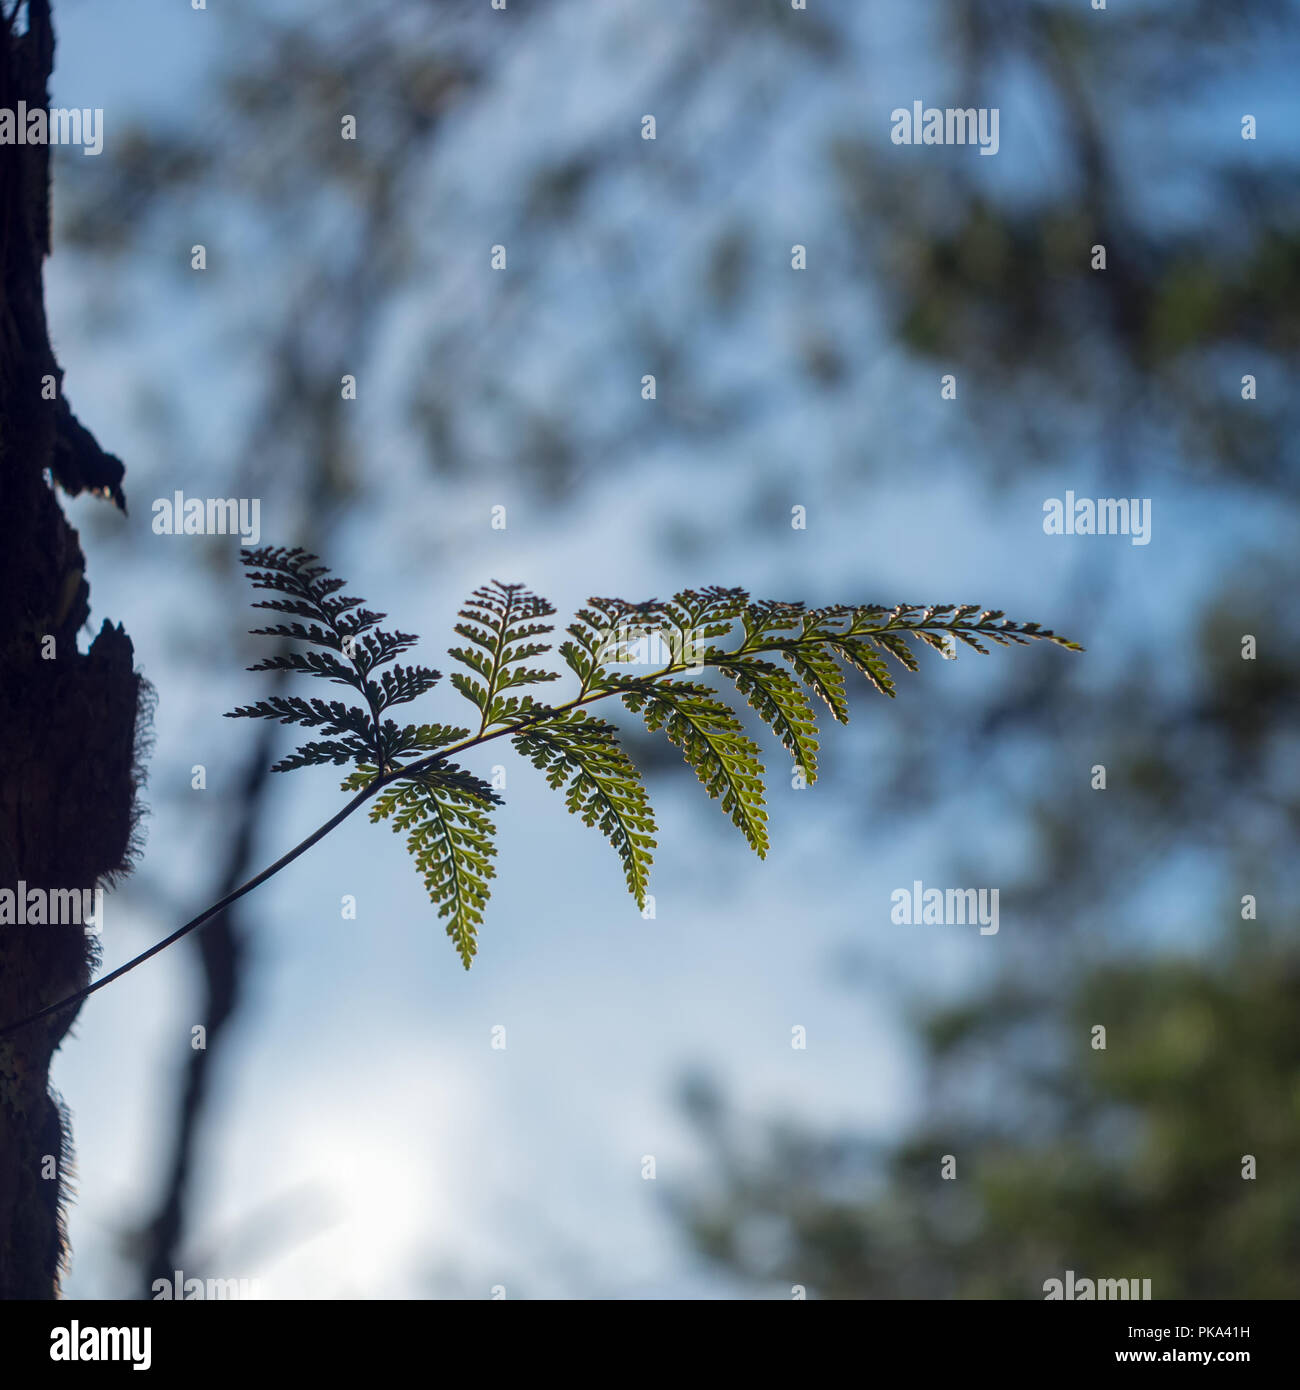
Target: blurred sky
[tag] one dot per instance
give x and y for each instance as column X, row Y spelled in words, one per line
column 359, row 1100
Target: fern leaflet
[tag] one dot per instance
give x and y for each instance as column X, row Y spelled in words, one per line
column 582, row 755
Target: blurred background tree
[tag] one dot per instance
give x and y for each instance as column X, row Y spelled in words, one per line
column 1128, row 1160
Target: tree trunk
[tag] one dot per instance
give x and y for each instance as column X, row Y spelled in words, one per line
column 68, row 720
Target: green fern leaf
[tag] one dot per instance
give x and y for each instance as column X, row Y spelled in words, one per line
column 713, row 742
column 443, row 813
column 443, row 810
column 474, row 691
column 820, row 672
column 767, row 617
column 859, row 655
column 517, row 709
column 599, row 632
column 601, row 785
column 896, row 645
column 697, row 616
column 782, row 705
column 418, row 738
column 500, row 620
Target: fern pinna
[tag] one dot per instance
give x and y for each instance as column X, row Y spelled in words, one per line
column 445, row 810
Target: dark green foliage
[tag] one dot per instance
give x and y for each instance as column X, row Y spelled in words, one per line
column 345, row 630
column 443, row 809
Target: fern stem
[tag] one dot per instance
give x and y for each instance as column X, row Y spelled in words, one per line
column 205, row 916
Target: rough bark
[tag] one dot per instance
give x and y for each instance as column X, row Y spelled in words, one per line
column 68, row 720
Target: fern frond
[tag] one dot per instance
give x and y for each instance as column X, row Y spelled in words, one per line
column 782, row 705
column 310, row 664
column 379, row 648
column 583, row 756
column 449, row 835
column 354, row 648
column 962, row 623
column 860, row 656
column 310, row 632
column 418, row 738
column 767, row 617
column 600, row 633
column 700, row 615
column 714, row 743
column 333, row 716
column 517, row 709
column 816, row 666
column 896, row 645
column 307, row 592
column 500, row 621
column 405, row 683
column 444, row 810
column 317, row 752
